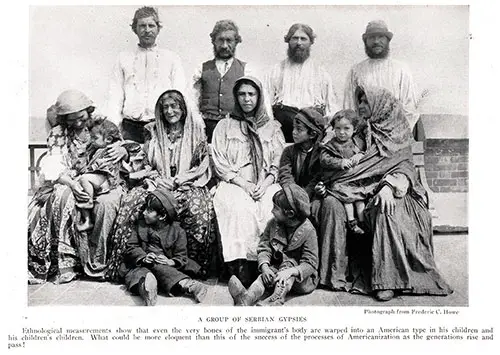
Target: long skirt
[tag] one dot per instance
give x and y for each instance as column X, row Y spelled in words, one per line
column 241, row 220
column 57, row 252
column 402, row 256
column 196, row 216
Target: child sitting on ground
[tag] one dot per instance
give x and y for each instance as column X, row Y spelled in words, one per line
column 344, row 151
column 287, row 253
column 156, row 253
column 100, row 175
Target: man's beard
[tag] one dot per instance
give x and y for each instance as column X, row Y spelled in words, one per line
column 224, row 54
column 380, row 55
column 298, row 55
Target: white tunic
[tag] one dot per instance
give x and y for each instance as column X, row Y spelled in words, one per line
column 139, row 78
column 301, row 85
column 389, row 74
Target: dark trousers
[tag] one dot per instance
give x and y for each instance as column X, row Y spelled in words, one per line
column 209, row 128
column 284, row 115
column 166, row 276
column 134, row 130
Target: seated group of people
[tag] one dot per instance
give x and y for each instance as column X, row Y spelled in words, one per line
column 343, row 212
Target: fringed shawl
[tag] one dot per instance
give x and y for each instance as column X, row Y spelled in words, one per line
column 193, row 136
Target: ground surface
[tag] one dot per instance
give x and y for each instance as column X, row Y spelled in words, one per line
column 451, row 255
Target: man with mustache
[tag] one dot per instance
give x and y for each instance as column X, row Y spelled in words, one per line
column 141, row 75
column 299, row 81
column 381, row 70
column 214, row 80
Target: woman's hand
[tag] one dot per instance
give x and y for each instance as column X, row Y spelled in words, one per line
column 267, row 275
column 283, row 275
column 115, row 152
column 385, row 198
column 78, row 192
column 261, row 188
column 346, row 164
column 165, row 183
column 320, row 189
column 248, row 187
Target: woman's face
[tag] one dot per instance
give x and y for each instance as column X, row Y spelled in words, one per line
column 248, row 97
column 171, row 110
column 77, row 120
column 363, row 107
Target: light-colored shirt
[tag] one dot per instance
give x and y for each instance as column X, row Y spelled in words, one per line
column 389, row 74
column 302, row 85
column 139, row 78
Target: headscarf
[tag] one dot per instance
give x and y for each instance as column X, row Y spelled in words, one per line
column 193, row 135
column 390, row 130
column 251, row 122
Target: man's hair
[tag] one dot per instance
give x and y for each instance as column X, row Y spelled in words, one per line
column 225, row 25
column 349, row 115
column 146, row 11
column 300, row 26
column 107, row 128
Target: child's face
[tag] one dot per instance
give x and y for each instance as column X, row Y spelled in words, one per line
column 98, row 139
column 279, row 214
column 150, row 216
column 343, row 129
column 300, row 132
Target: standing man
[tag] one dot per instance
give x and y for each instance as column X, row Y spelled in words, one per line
column 298, row 81
column 141, row 76
column 381, row 70
column 213, row 82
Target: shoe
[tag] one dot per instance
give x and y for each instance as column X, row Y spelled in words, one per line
column 278, row 296
column 196, row 289
column 148, row 289
column 236, row 290
column 385, row 295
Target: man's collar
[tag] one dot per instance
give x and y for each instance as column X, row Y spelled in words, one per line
column 222, row 61
column 152, row 48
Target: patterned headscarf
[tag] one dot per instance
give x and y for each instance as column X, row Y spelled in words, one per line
column 193, row 134
column 250, row 122
column 389, row 128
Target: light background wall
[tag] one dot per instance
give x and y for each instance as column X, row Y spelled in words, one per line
column 76, row 46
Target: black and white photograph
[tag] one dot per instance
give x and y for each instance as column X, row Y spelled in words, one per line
column 248, row 155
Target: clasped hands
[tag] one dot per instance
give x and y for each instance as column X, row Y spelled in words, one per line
column 270, row 277
column 152, row 258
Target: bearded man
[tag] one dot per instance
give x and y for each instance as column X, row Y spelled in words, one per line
column 141, row 75
column 213, row 82
column 381, row 70
column 299, row 81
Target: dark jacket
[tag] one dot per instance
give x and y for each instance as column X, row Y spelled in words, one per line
column 173, row 241
column 306, row 176
column 300, row 249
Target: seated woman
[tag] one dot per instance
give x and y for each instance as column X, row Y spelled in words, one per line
column 247, row 146
column 396, row 214
column 176, row 151
column 56, row 249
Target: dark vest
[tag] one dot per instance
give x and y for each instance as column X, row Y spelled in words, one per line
column 216, row 92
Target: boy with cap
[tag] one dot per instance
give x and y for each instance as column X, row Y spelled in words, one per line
column 299, row 162
column 287, row 253
column 156, row 253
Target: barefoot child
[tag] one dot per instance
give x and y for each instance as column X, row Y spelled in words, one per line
column 156, row 253
column 287, row 253
column 344, row 151
column 100, row 175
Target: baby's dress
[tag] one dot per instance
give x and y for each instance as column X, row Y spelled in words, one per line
column 112, row 171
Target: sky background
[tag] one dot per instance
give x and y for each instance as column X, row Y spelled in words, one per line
column 77, row 46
